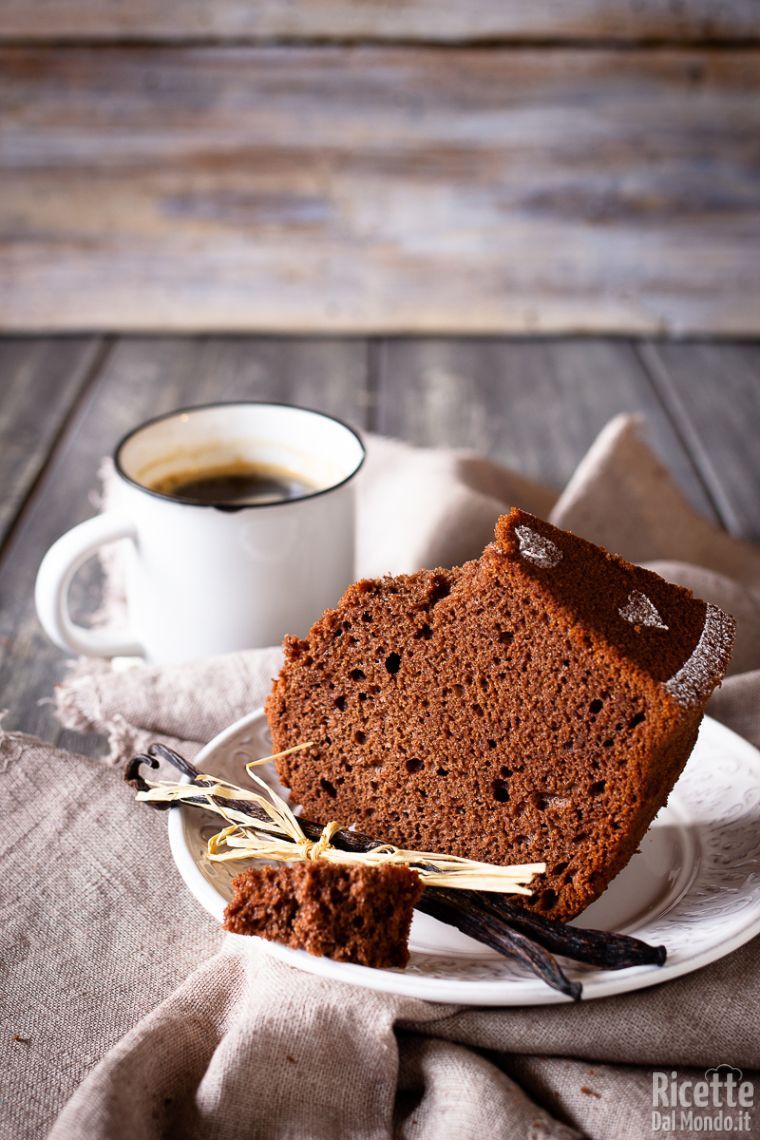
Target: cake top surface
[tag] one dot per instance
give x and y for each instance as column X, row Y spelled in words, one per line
column 679, row 640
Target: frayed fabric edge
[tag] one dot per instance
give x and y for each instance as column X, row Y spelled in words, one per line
column 76, row 698
column 125, row 740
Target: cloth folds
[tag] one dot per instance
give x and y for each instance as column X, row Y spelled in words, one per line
column 198, row 1034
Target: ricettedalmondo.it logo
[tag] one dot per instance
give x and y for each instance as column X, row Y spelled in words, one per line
column 719, row 1103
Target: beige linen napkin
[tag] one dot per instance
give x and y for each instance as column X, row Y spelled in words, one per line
column 101, row 930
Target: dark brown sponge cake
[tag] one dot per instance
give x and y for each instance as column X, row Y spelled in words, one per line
column 356, row 914
column 537, row 704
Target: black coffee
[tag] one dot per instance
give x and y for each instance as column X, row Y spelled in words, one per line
column 235, row 484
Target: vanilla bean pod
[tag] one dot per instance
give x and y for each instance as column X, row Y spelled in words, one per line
column 489, row 917
column 448, row 907
column 610, row 951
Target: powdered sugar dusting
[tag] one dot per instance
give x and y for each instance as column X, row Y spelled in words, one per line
column 641, row 610
column 697, row 676
column 537, row 549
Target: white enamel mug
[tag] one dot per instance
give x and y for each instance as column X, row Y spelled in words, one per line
column 203, row 579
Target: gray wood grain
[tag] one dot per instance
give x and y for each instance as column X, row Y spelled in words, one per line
column 534, row 405
column 139, row 379
column 380, row 190
column 452, row 20
column 713, row 393
column 40, row 381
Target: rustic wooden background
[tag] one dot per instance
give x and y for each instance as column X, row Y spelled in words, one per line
column 368, row 165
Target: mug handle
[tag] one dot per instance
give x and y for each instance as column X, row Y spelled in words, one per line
column 54, row 577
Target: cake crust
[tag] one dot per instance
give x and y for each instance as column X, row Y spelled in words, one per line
column 537, row 704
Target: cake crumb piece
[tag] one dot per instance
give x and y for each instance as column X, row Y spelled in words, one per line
column 359, row 914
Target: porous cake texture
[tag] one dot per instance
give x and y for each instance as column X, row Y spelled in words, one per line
column 537, row 704
column 351, row 913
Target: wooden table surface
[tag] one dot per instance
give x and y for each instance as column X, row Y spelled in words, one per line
column 533, row 404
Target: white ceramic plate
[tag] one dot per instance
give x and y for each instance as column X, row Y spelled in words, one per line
column 694, row 886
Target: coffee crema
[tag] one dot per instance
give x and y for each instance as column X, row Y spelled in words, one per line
column 237, row 483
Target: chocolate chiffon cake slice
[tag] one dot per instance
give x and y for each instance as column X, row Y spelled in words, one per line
column 537, row 704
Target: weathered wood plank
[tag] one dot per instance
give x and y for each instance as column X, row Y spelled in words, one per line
column 534, row 405
column 140, row 379
column 427, row 20
column 40, row 380
column 713, row 392
column 397, row 190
